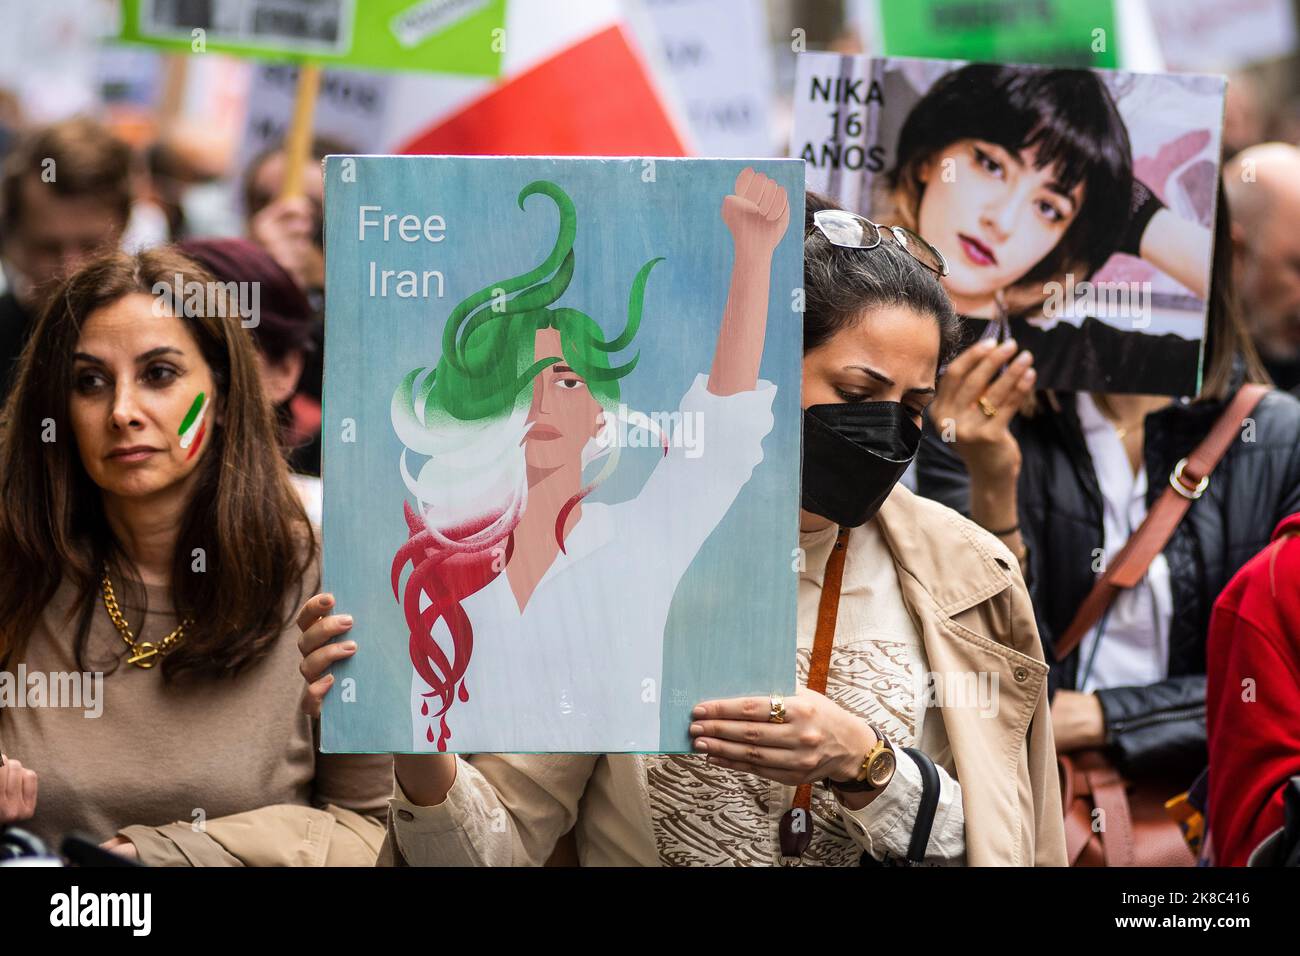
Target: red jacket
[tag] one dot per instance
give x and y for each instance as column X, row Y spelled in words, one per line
column 1254, row 728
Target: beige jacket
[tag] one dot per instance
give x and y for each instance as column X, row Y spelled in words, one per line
column 968, row 600
column 280, row 835
column 971, row 606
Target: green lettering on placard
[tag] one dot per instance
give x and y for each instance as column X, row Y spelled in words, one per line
column 1050, row 32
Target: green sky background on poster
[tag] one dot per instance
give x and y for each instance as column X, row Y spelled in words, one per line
column 464, row 47
column 1051, row 32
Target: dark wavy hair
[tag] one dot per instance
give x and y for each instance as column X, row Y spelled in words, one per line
column 243, row 513
column 841, row 284
column 1067, row 115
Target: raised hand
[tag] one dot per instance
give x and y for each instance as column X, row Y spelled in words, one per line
column 979, row 395
column 286, row 229
column 757, row 212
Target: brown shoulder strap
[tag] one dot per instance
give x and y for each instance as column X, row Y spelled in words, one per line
column 1186, row 484
column 828, row 610
column 794, row 842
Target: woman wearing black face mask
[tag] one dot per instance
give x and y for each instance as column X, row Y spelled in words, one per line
column 929, row 610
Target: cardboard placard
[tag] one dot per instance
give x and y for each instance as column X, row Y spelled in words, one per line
column 441, row 36
column 557, row 523
column 1095, row 255
column 1051, row 32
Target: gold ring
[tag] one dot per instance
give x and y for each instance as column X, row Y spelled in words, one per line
column 987, row 407
column 776, row 711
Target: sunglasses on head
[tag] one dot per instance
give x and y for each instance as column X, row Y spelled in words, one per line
column 850, row 231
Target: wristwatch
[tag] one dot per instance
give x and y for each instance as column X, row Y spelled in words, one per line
column 876, row 770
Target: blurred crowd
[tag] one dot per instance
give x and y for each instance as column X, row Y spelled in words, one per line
column 74, row 193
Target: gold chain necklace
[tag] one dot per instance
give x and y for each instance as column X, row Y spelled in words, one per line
column 143, row 653
column 1121, row 430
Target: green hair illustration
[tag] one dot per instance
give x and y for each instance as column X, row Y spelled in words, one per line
column 487, row 364
column 484, row 377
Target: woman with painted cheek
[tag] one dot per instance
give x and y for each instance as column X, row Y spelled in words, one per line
column 284, row 334
column 155, row 552
column 139, row 421
column 929, row 643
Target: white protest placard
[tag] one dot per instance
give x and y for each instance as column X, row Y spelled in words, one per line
column 351, row 108
column 716, row 55
column 49, row 52
column 835, row 126
column 1223, row 34
column 1073, row 255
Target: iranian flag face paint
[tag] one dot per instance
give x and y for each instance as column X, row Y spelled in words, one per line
column 193, row 427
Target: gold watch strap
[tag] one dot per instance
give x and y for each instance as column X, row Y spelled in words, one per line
column 861, row 782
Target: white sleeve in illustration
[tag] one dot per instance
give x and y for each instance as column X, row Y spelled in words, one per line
column 713, row 448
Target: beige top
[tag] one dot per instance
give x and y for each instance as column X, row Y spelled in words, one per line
column 125, row 748
column 678, row 810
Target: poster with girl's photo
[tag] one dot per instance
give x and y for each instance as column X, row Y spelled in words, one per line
column 561, row 447
column 1074, row 207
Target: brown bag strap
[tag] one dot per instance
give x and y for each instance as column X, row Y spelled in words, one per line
column 1188, row 482
column 793, row 843
column 1110, row 797
column 828, row 610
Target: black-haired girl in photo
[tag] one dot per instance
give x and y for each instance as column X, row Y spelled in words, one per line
column 1022, row 176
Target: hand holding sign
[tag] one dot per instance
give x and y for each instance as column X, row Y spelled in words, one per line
column 18, row 787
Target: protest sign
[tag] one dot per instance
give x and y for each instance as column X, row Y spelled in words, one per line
column 441, row 36
column 49, row 55
column 1075, row 208
column 445, row 36
column 557, row 521
column 1244, row 32
column 716, row 54
column 1051, row 32
column 351, row 108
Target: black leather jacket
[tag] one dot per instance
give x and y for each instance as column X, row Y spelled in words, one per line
column 1158, row 728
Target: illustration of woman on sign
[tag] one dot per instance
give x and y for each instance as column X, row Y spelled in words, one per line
column 515, row 579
